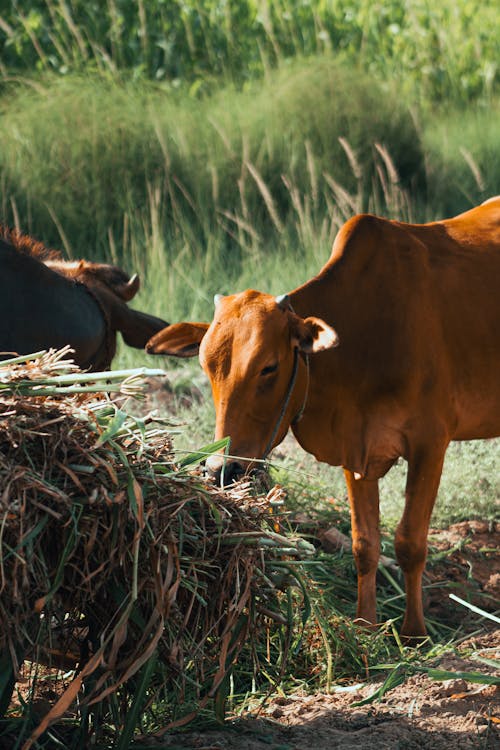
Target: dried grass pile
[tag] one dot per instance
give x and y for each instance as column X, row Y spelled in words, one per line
column 149, row 576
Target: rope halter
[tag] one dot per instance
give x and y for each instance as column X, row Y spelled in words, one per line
column 286, row 400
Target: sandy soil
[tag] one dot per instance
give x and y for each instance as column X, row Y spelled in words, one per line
column 420, row 714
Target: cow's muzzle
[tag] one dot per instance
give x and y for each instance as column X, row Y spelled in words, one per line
column 224, row 471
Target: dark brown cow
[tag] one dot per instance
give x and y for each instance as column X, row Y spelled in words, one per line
column 417, row 312
column 46, row 302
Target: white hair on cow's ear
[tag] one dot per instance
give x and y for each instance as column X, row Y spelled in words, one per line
column 313, row 335
column 283, row 301
column 217, row 298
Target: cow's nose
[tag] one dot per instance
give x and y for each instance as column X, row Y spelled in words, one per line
column 223, row 470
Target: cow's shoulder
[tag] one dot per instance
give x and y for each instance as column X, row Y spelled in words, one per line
column 373, row 247
column 360, row 234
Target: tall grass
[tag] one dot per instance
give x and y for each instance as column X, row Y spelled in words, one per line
column 436, row 51
column 463, row 157
column 89, row 155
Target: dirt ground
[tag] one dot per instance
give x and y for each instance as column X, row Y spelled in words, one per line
column 417, row 716
column 421, row 713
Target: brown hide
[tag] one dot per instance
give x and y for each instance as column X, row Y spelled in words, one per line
column 417, row 313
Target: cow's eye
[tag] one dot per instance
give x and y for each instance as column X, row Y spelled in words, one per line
column 269, row 370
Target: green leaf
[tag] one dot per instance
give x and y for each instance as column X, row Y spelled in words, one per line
column 221, row 698
column 143, row 681
column 31, row 535
column 7, row 681
column 445, row 674
column 495, row 663
column 395, row 678
column 206, row 450
column 113, row 428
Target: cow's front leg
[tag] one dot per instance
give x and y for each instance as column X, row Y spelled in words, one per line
column 425, row 465
column 364, row 502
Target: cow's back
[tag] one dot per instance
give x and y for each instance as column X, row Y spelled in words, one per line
column 464, row 292
column 417, row 310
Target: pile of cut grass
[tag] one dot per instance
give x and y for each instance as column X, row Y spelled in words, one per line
column 114, row 556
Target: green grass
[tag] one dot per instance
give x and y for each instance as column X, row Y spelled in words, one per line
column 95, row 164
column 463, row 157
column 436, row 52
column 158, row 181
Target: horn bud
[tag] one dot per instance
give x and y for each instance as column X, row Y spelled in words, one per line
column 131, row 288
column 217, row 298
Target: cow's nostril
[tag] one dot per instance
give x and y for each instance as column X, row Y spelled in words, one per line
column 231, row 472
column 225, row 472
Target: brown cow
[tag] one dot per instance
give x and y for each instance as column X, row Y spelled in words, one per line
column 46, row 302
column 417, row 311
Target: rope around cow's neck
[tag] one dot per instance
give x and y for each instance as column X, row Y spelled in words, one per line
column 288, row 396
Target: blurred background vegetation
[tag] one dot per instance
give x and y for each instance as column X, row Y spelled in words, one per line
column 214, row 145
column 206, row 132
column 435, row 51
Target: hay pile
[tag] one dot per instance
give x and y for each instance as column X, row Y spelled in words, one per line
column 114, row 555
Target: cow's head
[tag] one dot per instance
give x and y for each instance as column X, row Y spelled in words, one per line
column 112, row 288
column 254, row 353
column 99, row 275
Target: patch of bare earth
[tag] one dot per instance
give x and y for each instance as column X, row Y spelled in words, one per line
column 420, row 714
column 472, row 559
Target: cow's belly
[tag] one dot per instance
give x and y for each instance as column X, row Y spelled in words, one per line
column 479, row 427
column 478, row 413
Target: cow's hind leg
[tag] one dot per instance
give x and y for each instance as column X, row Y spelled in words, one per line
column 364, row 502
column 424, row 472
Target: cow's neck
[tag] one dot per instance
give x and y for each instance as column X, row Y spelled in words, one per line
column 335, row 426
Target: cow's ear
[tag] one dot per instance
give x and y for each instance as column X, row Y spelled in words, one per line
column 178, row 340
column 314, row 335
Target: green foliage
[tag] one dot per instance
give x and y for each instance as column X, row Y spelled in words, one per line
column 463, row 157
column 436, row 50
column 470, row 485
column 88, row 159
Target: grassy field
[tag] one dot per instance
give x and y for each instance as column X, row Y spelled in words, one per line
column 214, row 147
column 246, row 188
